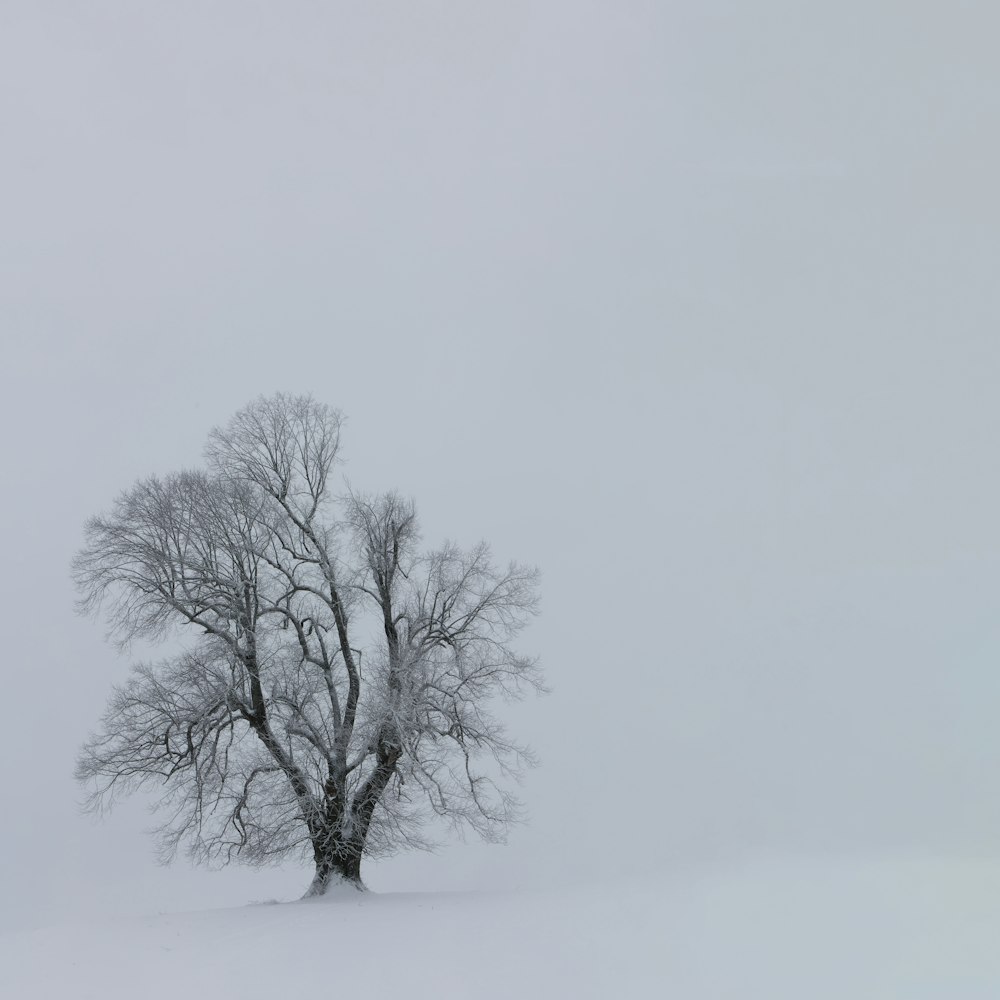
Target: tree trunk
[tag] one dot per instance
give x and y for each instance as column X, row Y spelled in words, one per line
column 338, row 865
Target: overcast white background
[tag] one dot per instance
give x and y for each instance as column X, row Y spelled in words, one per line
column 693, row 304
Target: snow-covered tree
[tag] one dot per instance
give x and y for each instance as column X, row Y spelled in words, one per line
column 337, row 684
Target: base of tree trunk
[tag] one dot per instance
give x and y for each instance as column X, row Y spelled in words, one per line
column 333, row 884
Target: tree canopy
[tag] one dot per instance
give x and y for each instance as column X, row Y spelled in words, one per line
column 338, row 683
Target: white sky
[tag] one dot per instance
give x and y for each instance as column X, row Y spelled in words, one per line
column 693, row 304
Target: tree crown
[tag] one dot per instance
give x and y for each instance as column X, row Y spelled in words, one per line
column 339, row 682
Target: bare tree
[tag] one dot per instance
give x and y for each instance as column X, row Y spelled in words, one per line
column 337, row 688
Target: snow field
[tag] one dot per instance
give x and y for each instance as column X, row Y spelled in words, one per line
column 904, row 930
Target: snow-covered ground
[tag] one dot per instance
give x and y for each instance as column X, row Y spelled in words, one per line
column 845, row 931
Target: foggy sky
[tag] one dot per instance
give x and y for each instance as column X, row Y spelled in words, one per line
column 692, row 304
